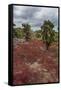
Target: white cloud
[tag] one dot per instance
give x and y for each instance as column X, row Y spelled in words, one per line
column 35, row 15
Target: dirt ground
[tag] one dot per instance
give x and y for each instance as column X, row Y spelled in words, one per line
column 32, row 63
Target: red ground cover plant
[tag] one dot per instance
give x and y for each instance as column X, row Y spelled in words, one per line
column 32, row 63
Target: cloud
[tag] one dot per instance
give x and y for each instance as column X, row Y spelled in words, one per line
column 35, row 16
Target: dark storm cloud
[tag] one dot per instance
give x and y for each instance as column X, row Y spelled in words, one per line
column 26, row 13
column 35, row 16
column 29, row 12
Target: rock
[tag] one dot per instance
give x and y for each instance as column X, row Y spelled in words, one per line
column 45, row 70
column 42, row 48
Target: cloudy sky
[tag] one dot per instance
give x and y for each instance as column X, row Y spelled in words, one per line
column 35, row 16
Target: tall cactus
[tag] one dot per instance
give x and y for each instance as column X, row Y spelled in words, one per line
column 47, row 33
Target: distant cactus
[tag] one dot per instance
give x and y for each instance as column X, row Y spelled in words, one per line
column 27, row 31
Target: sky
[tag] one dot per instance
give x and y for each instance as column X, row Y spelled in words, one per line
column 34, row 16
